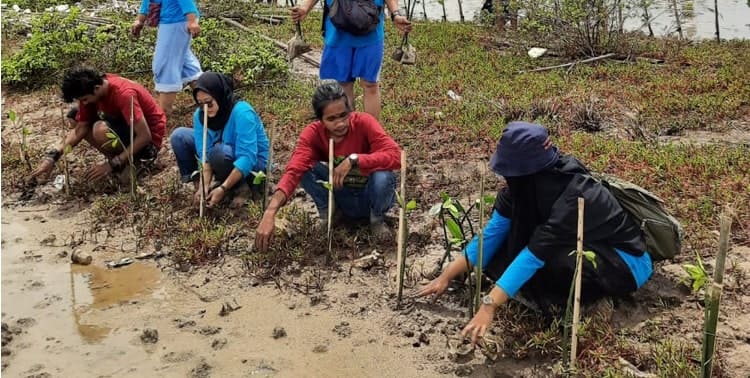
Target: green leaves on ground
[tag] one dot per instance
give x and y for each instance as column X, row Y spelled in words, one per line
column 697, row 276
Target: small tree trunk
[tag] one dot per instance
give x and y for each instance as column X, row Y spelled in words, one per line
column 647, row 18
column 461, row 10
column 677, row 18
column 424, row 9
column 716, row 16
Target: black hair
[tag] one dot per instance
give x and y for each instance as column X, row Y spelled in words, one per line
column 79, row 82
column 327, row 92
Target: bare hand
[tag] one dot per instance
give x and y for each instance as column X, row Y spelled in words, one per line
column 135, row 29
column 215, row 197
column 479, row 325
column 44, row 169
column 98, row 172
column 298, row 14
column 340, row 172
column 264, row 232
column 193, row 28
column 402, row 23
column 436, row 287
column 197, row 195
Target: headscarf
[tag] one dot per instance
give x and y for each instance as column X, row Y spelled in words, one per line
column 221, row 88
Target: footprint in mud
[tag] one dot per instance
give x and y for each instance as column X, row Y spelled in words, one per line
column 47, row 301
column 209, row 330
column 320, row 349
column 175, row 357
column 203, row 370
column 150, row 336
column 343, row 330
column 35, row 285
column 219, row 343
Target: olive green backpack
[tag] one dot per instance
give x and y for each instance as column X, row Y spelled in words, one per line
column 661, row 231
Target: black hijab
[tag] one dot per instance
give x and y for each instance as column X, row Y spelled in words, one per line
column 221, row 88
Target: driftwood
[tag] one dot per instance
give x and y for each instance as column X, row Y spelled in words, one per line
column 307, row 58
column 274, row 20
column 589, row 60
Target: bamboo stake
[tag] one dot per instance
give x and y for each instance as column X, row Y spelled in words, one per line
column 713, row 298
column 64, row 157
column 203, row 160
column 269, row 165
column 131, row 164
column 331, row 203
column 400, row 252
column 577, row 297
column 480, row 252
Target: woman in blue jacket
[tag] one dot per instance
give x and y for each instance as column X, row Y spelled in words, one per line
column 236, row 144
column 174, row 64
column 533, row 228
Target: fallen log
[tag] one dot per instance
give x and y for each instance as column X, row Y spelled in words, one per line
column 307, row 58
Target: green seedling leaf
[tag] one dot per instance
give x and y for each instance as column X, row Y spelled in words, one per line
column 489, row 199
column 697, row 275
column 399, row 199
column 435, row 209
column 111, row 135
column 454, row 230
column 444, row 196
column 325, row 184
column 411, row 205
column 67, row 149
column 25, row 131
column 458, row 207
column 259, row 177
column 591, row 257
column 12, row 116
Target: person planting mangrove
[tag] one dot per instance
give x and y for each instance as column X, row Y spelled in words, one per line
column 236, row 142
column 174, row 63
column 353, row 46
column 533, row 229
column 104, row 107
column 363, row 181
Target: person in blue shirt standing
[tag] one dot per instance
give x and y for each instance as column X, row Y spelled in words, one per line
column 237, row 144
column 533, row 229
column 174, row 63
column 348, row 57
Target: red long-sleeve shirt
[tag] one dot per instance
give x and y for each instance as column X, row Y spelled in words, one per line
column 376, row 150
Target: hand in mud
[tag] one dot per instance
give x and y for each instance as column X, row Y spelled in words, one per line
column 402, row 23
column 340, row 172
column 298, row 14
column 215, row 197
column 98, row 172
column 197, row 196
column 436, row 287
column 479, row 325
column 44, row 169
column 194, row 28
column 264, row 232
column 135, row 29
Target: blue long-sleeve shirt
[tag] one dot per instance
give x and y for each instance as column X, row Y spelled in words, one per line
column 243, row 132
column 172, row 11
column 523, row 267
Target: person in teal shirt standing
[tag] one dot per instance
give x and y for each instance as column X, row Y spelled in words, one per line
column 236, row 144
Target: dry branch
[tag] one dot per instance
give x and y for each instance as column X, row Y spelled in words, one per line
column 589, row 60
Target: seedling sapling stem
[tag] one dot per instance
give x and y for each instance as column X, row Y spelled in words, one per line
column 400, row 242
column 269, row 166
column 203, row 161
column 64, row 157
column 577, row 296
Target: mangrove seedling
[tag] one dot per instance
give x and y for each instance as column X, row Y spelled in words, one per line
column 403, row 229
column 202, row 162
column 114, row 141
column 17, row 120
column 697, row 276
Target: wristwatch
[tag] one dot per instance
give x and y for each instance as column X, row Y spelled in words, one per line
column 487, row 299
column 394, row 14
column 354, row 158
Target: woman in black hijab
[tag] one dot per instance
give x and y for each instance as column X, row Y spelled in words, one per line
column 236, row 144
column 533, row 229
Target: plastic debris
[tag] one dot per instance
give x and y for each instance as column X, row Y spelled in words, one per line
column 536, row 52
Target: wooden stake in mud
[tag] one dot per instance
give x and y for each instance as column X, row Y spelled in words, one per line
column 203, row 160
column 400, row 242
column 65, row 151
column 131, row 165
column 480, row 252
column 577, row 297
column 331, row 204
column 713, row 297
column 269, row 166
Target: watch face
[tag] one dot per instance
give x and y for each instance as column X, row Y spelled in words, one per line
column 487, row 300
